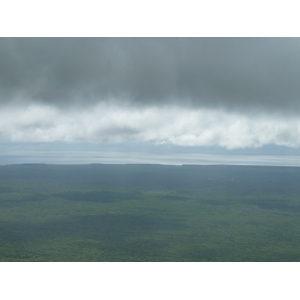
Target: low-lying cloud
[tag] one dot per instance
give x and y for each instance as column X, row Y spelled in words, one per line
column 227, row 92
column 108, row 122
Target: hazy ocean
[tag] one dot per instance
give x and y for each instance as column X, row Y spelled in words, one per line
column 109, row 157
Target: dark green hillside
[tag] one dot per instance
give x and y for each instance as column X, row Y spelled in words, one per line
column 149, row 213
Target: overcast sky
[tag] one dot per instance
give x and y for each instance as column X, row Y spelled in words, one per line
column 227, row 93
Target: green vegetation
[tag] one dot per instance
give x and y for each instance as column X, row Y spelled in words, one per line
column 149, row 213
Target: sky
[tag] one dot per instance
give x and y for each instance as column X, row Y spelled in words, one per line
column 150, row 100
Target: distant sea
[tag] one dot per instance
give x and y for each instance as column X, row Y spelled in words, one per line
column 109, row 157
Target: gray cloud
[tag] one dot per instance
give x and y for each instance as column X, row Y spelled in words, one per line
column 232, row 73
column 233, row 93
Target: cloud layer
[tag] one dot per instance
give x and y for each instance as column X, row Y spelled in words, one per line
column 227, row 92
column 112, row 123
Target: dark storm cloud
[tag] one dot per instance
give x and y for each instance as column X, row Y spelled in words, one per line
column 233, row 73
